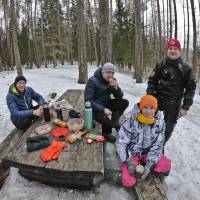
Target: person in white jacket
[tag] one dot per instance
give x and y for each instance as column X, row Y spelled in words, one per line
column 141, row 141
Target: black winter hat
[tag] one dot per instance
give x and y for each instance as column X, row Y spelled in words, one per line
column 19, row 78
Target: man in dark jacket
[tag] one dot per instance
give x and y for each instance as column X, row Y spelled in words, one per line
column 98, row 91
column 19, row 101
column 171, row 82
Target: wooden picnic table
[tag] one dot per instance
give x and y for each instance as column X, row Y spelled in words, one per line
column 79, row 164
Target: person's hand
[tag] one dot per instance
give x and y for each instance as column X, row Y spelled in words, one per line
column 182, row 113
column 131, row 167
column 41, row 108
column 107, row 112
column 113, row 83
column 145, row 173
column 38, row 112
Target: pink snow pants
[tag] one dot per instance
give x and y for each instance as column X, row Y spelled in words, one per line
column 163, row 166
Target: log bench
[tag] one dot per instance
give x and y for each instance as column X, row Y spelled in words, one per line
column 5, row 147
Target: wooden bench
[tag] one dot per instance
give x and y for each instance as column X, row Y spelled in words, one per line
column 79, row 164
column 5, row 147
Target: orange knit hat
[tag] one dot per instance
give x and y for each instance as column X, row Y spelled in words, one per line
column 148, row 100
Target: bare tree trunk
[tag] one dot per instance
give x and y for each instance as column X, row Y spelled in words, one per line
column 59, row 35
column 184, row 30
column 175, row 19
column 42, row 33
column 93, row 31
column 81, row 33
column 9, row 54
column 170, row 19
column 153, row 32
column 188, row 31
column 164, row 29
column 111, row 25
column 36, row 50
column 104, row 27
column 194, row 63
column 89, row 44
column 159, row 31
column 30, row 64
column 138, row 66
column 167, row 19
column 70, row 59
column 15, row 40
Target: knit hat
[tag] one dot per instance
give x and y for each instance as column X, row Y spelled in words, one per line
column 148, row 100
column 19, row 78
column 108, row 67
column 173, row 42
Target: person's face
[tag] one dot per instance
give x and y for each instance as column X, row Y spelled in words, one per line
column 21, row 85
column 148, row 111
column 108, row 75
column 173, row 52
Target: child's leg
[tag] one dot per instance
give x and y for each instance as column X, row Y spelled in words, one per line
column 163, row 166
column 127, row 179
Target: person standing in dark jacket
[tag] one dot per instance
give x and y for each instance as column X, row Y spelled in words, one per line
column 98, row 91
column 172, row 82
column 19, row 101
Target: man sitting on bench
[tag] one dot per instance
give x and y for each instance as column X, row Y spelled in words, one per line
column 106, row 111
column 19, row 101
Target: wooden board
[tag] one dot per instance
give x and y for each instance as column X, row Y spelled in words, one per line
column 81, row 161
column 151, row 189
column 5, row 147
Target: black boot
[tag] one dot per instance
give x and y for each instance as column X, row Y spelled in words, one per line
column 110, row 138
column 115, row 119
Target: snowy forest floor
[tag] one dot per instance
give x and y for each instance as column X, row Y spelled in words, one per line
column 183, row 148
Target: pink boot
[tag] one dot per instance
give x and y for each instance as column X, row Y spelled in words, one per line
column 163, row 166
column 127, row 179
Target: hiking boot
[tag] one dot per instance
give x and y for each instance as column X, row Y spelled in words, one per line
column 110, row 138
column 118, row 178
column 115, row 119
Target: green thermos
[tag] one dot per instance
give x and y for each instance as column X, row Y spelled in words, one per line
column 88, row 116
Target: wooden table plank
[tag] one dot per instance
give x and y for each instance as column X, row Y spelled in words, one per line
column 67, row 158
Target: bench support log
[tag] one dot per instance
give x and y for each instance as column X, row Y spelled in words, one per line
column 5, row 147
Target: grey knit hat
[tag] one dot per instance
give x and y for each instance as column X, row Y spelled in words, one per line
column 108, row 67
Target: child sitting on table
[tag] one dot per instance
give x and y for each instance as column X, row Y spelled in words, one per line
column 141, row 141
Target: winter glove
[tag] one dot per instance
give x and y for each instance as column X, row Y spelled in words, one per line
column 131, row 167
column 145, row 173
column 53, row 151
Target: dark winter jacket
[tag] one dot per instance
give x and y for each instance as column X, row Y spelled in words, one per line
column 135, row 138
column 20, row 105
column 98, row 91
column 172, row 81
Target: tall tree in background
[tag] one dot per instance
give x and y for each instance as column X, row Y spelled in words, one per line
column 159, row 31
column 188, row 31
column 170, row 19
column 194, row 63
column 8, row 47
column 14, row 39
column 184, row 30
column 81, row 33
column 93, row 31
column 175, row 19
column 138, row 64
column 105, row 47
column 42, row 35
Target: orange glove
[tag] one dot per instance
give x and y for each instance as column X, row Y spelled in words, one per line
column 53, row 151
